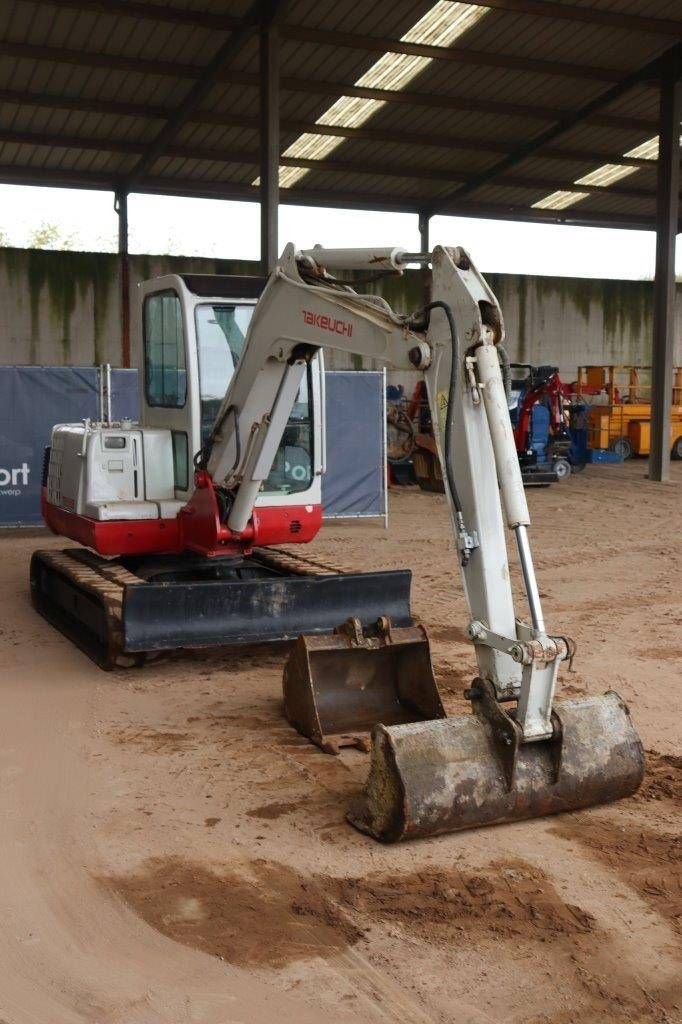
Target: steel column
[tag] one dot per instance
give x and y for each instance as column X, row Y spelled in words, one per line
column 121, row 207
column 425, row 246
column 424, row 220
column 667, row 209
column 269, row 145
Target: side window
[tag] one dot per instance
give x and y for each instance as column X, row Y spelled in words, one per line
column 164, row 351
column 180, row 460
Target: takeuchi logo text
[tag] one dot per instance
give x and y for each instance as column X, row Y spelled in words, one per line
column 328, row 323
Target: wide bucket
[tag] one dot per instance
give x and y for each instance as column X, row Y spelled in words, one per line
column 338, row 687
column 433, row 777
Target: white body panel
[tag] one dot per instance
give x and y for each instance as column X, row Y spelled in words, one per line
column 107, row 472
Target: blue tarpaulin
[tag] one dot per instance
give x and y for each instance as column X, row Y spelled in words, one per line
column 355, row 481
column 34, row 398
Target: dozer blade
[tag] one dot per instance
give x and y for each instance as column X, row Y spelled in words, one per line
column 432, row 777
column 338, row 687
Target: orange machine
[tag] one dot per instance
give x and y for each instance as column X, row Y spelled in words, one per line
column 639, row 432
column 621, row 422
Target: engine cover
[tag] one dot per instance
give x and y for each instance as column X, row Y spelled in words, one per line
column 112, row 472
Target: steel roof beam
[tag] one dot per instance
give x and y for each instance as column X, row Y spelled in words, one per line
column 251, row 158
column 590, row 15
column 440, row 101
column 398, row 136
column 168, row 69
column 229, row 23
column 567, row 121
column 197, row 94
column 314, row 197
column 449, row 54
column 375, row 44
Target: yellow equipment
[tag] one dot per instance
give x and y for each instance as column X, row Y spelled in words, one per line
column 621, row 423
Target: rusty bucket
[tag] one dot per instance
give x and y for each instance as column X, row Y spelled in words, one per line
column 339, row 686
column 463, row 772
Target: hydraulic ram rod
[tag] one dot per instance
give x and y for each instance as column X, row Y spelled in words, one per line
column 509, row 472
column 380, row 258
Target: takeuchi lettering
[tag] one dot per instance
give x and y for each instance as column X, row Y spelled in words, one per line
column 328, row 323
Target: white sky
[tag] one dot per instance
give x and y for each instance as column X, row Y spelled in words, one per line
column 209, row 227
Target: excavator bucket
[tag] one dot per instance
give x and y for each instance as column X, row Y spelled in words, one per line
column 337, row 687
column 426, row 778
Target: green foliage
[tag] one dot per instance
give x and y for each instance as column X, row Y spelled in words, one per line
column 49, row 236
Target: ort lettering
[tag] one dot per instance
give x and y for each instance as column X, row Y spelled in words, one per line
column 8, row 476
column 328, row 323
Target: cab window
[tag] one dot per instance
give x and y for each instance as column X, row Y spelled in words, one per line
column 164, row 351
column 221, row 334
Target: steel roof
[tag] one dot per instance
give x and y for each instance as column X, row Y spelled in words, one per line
column 86, row 86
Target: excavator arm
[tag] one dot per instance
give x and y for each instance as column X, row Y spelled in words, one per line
column 442, row 773
column 453, row 343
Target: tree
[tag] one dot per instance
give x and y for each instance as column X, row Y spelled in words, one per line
column 49, row 236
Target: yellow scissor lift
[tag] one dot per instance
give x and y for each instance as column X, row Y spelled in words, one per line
column 621, row 424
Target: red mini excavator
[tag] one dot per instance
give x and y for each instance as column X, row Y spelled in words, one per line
column 543, row 454
column 159, row 567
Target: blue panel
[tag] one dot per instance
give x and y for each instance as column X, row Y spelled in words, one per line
column 539, row 430
column 32, row 400
column 356, row 475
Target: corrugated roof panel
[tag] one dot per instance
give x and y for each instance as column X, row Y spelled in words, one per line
column 638, row 102
column 512, row 86
column 473, row 124
column 219, row 137
column 376, row 19
column 108, row 32
column 500, row 34
column 240, row 99
column 654, row 8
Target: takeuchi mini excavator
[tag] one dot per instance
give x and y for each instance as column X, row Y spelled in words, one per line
column 239, row 383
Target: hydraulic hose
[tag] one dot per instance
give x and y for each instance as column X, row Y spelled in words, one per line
column 448, row 445
column 203, row 455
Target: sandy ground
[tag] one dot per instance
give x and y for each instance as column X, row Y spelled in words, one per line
column 171, row 851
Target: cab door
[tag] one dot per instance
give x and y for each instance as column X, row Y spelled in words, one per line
column 167, row 381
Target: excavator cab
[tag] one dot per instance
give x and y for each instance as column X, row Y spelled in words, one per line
column 194, row 329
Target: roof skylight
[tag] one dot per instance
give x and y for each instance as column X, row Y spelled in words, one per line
column 442, row 24
column 602, row 176
column 559, row 200
column 646, row 151
column 605, row 175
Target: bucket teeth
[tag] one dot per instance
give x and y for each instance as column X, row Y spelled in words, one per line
column 427, row 778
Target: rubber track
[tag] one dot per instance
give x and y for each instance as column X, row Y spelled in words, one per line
column 107, row 579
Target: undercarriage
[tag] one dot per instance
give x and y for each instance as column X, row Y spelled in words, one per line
column 120, row 610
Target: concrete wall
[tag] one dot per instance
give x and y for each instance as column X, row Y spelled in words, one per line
column 61, row 308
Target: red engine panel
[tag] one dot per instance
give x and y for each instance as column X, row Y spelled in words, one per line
column 196, row 528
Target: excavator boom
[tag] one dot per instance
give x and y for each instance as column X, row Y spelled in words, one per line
column 429, row 773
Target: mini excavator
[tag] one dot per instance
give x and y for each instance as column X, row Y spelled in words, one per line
column 165, row 563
